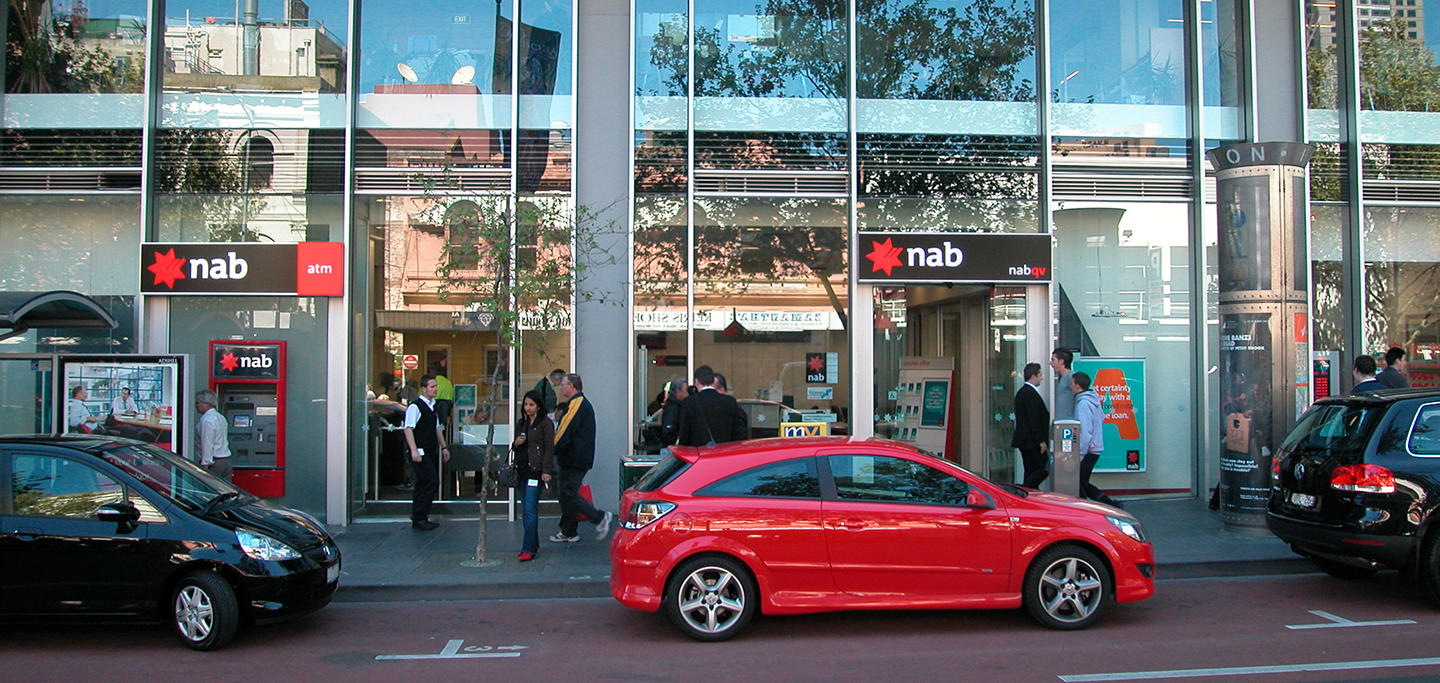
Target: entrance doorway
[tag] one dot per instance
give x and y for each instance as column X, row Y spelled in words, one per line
column 948, row 360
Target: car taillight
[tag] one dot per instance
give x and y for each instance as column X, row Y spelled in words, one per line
column 643, row 512
column 1366, row 478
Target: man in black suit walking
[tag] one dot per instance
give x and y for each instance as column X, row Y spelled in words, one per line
column 1032, row 425
column 708, row 416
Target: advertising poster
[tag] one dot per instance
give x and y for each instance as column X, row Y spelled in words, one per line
column 1121, row 385
column 934, row 403
column 135, row 397
column 1246, row 407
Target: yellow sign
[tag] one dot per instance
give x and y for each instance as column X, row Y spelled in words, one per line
column 804, row 429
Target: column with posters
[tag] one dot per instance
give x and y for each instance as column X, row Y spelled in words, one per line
column 131, row 396
column 1121, row 385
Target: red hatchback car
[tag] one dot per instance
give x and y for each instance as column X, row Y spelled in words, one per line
column 787, row 526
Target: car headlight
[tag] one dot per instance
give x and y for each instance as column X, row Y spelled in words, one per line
column 1128, row 526
column 262, row 547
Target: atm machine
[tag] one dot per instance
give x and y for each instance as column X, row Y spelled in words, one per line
column 249, row 379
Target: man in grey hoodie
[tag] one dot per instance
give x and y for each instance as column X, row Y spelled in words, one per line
column 1092, row 429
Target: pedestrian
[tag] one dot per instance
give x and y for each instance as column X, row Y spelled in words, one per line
column 1363, row 370
column 534, row 454
column 426, row 438
column 670, row 413
column 1032, row 428
column 546, row 387
column 574, row 456
column 1060, row 362
column 1391, row 376
column 212, row 441
column 709, row 417
column 1092, row 444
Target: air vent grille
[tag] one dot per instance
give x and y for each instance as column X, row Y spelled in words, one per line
column 432, row 180
column 827, row 183
column 32, row 179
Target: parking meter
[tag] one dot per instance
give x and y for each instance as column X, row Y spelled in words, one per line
column 1065, row 445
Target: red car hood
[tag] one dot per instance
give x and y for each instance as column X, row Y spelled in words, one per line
column 1072, row 502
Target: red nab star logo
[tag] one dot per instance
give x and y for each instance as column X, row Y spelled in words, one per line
column 229, row 362
column 884, row 255
column 167, row 268
column 817, row 363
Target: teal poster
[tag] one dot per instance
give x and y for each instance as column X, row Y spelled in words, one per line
column 934, row 403
column 1121, row 385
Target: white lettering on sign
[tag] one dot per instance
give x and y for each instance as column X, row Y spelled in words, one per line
column 320, row 269
column 219, row 269
column 256, row 362
column 935, row 257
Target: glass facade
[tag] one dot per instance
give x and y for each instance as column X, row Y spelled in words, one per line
column 441, row 144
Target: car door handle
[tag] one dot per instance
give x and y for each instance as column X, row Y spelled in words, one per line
column 27, row 533
column 853, row 524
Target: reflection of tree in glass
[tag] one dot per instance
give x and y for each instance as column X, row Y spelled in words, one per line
column 915, row 50
column 796, row 485
column 53, row 53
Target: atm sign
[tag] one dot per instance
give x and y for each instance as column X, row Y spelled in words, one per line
column 245, row 361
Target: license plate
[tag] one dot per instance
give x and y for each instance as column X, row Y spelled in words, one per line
column 332, row 572
column 1303, row 500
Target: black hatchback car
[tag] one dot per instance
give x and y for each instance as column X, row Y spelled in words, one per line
column 95, row 526
column 1356, row 484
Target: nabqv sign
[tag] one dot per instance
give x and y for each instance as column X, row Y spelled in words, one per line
column 918, row 257
column 303, row 269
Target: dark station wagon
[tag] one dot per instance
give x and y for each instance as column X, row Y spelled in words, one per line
column 1356, row 485
column 100, row 527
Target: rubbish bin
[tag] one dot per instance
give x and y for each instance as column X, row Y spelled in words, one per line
column 632, row 467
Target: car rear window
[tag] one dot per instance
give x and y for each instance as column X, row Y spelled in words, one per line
column 662, row 473
column 1335, row 427
column 794, row 478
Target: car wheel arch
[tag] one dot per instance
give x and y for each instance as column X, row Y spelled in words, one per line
column 1073, row 542
column 672, row 564
column 179, row 572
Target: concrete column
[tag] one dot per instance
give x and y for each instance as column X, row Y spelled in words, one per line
column 603, row 187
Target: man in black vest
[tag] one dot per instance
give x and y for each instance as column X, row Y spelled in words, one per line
column 426, row 438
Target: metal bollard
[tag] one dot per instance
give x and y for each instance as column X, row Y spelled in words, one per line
column 1065, row 442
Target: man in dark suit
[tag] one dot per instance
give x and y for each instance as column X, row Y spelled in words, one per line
column 1391, row 376
column 708, row 416
column 1032, row 426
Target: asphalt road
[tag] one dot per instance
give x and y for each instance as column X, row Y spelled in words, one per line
column 1285, row 628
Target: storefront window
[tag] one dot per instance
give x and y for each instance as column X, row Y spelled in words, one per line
column 1123, row 277
column 1401, row 280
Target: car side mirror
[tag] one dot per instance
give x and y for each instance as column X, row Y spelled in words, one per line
column 124, row 514
column 978, row 500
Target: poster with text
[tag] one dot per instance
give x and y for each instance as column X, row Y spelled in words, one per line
column 1120, row 382
column 134, row 397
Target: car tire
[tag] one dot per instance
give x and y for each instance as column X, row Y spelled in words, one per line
column 1067, row 587
column 204, row 612
column 1340, row 570
column 1429, row 570
column 711, row 598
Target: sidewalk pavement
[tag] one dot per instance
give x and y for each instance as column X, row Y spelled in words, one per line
column 389, row 561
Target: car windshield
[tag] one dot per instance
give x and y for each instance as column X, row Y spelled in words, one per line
column 1334, row 427
column 169, row 475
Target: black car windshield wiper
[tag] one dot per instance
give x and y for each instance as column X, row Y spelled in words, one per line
column 219, row 500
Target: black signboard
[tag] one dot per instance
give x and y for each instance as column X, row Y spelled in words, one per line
column 890, row 257
column 245, row 361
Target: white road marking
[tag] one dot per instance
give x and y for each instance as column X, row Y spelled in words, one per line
column 452, row 650
column 1341, row 622
column 1253, row 670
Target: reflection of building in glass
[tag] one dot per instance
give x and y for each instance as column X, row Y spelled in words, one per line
column 288, row 54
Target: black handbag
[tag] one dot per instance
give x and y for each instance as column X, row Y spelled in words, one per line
column 508, row 477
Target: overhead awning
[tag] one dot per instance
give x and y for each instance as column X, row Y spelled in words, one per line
column 22, row 311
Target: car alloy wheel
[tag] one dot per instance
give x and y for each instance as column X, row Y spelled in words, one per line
column 1066, row 588
column 204, row 611
column 711, row 598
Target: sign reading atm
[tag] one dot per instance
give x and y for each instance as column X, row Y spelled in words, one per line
column 919, row 257
column 301, row 269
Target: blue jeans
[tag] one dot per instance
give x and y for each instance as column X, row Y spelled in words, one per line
column 530, row 515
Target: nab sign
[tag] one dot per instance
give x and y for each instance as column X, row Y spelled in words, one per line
column 259, row 360
column 302, row 269
column 940, row 257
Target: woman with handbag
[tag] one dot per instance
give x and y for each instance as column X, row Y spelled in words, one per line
column 534, row 458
